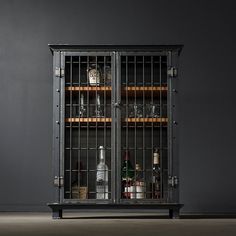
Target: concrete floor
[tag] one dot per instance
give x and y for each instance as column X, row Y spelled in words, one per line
column 112, row 224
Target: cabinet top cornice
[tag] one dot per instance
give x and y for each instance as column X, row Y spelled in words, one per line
column 112, row 47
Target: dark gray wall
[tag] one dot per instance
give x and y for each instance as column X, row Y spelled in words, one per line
column 207, row 89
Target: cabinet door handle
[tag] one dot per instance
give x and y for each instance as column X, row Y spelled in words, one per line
column 117, row 104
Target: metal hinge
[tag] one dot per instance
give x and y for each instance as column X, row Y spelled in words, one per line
column 172, row 72
column 58, row 181
column 173, row 181
column 59, row 72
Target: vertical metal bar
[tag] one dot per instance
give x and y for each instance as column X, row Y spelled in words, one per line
column 80, row 175
column 87, row 133
column 170, row 131
column 161, row 147
column 152, row 147
column 135, row 123
column 144, row 158
column 127, row 115
column 71, row 115
column 105, row 115
column 62, row 125
column 115, row 134
column 96, row 109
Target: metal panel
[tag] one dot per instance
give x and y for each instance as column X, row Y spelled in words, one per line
column 81, row 134
column 175, row 124
column 61, row 122
column 56, row 126
column 173, row 129
column 135, row 64
column 170, row 131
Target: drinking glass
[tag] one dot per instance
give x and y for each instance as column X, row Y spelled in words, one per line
column 152, row 110
column 136, row 110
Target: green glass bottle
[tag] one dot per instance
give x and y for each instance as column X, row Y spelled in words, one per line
column 127, row 174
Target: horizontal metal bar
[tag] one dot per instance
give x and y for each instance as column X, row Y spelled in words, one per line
column 114, row 206
column 140, row 53
column 86, row 53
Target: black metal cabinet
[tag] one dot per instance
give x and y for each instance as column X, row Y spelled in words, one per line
column 122, row 100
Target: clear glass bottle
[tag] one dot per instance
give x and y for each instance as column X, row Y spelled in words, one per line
column 102, row 176
column 156, row 175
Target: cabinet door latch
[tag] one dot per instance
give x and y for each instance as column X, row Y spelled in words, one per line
column 58, row 181
column 59, row 72
column 172, row 72
column 173, row 181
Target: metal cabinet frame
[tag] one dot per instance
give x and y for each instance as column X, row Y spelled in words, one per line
column 59, row 52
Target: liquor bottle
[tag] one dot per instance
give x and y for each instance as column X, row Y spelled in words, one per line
column 79, row 190
column 102, row 176
column 94, row 75
column 127, row 174
column 139, row 184
column 156, row 175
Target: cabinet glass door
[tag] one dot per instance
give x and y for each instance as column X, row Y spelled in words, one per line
column 87, row 146
column 144, row 134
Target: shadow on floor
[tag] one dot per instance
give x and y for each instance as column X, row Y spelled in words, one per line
column 152, row 217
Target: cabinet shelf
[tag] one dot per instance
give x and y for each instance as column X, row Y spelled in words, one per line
column 124, row 88
column 145, row 88
column 146, row 120
column 88, row 88
column 108, row 120
column 88, row 120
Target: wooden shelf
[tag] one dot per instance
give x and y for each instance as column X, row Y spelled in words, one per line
column 108, row 120
column 145, row 88
column 88, row 88
column 90, row 120
column 146, row 120
column 124, row 88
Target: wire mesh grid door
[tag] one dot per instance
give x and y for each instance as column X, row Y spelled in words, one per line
column 87, row 128
column 144, row 146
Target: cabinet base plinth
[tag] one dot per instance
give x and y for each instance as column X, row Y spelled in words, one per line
column 174, row 208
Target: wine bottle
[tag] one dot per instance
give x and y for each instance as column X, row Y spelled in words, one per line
column 127, row 174
column 102, row 176
column 156, row 175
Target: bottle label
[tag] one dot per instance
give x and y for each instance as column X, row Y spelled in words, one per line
column 94, row 77
column 100, row 175
column 155, row 158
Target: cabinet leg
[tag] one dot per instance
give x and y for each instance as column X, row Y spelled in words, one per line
column 57, row 214
column 174, row 213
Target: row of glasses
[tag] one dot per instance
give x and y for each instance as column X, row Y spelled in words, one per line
column 82, row 111
column 141, row 111
column 134, row 110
